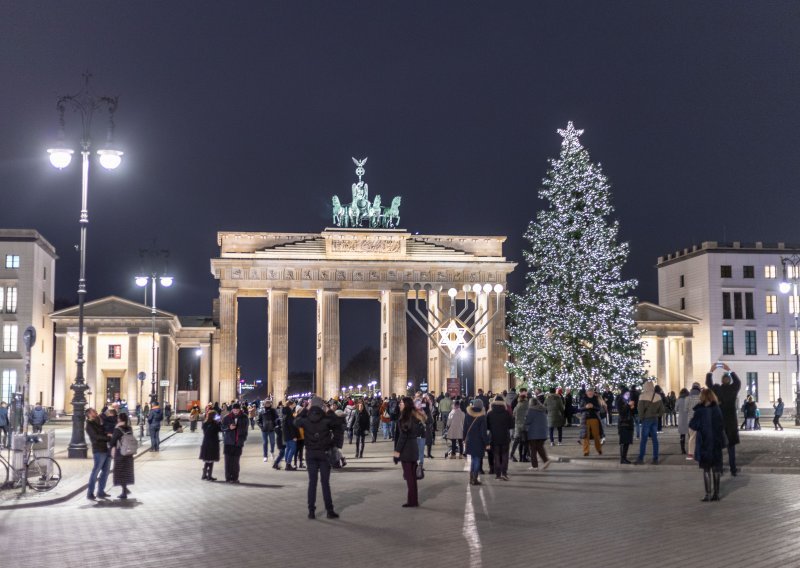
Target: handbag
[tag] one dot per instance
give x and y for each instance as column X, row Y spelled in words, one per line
column 420, row 472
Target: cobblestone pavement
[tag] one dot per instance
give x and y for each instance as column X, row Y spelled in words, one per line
column 575, row 511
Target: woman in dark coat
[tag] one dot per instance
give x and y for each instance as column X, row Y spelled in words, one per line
column 123, row 465
column 360, row 427
column 476, row 438
column 625, row 406
column 209, row 450
column 709, row 425
column 500, row 423
column 406, row 450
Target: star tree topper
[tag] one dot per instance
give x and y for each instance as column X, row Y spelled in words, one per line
column 570, row 135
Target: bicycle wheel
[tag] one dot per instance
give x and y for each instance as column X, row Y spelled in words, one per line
column 43, row 474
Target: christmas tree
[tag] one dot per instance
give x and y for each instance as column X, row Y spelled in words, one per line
column 574, row 324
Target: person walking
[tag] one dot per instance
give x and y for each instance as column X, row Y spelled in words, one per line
column 320, row 431
column 554, row 405
column 590, row 407
column 167, row 413
column 750, row 413
column 3, row 424
column 102, row 459
column 692, row 400
column 194, row 416
column 209, row 449
column 445, row 406
column 455, row 431
column 651, row 409
column 406, row 448
column 373, row 409
column 267, row 419
column 500, row 423
column 360, row 427
column 234, row 435
column 154, row 419
column 386, row 420
column 625, row 407
column 727, row 393
column 123, row 465
column 536, row 430
column 682, row 412
column 520, row 412
column 476, row 438
column 708, row 422
column 778, row 408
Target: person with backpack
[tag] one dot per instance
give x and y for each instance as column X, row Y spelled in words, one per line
column 154, row 419
column 267, row 420
column 37, row 417
column 123, row 448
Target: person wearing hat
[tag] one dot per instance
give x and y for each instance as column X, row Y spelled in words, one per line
column 234, row 435
column 476, row 438
column 321, row 431
column 500, row 424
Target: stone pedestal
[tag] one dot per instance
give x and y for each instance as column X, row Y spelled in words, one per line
column 278, row 343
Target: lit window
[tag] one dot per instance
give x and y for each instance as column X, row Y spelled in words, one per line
column 791, row 272
column 772, row 304
column 772, row 342
column 792, row 342
column 2, row 303
column 752, row 385
column 12, row 261
column 11, row 300
column 115, row 351
column 10, row 339
column 727, row 342
column 792, row 303
column 8, row 385
column 769, row 271
column 774, row 387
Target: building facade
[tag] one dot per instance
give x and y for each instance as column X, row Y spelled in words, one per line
column 27, row 274
column 744, row 319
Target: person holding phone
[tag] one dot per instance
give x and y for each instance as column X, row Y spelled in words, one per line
column 727, row 393
column 234, row 435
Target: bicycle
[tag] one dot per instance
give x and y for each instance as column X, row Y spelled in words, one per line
column 41, row 474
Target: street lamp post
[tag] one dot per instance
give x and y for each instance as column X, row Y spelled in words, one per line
column 165, row 281
column 85, row 103
column 794, row 262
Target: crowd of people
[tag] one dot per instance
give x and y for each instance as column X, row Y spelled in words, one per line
column 488, row 429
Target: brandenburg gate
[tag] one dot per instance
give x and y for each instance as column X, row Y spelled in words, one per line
column 379, row 262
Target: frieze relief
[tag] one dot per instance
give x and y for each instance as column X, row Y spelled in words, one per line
column 368, row 245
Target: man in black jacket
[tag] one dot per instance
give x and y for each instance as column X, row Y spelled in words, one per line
column 234, row 435
column 727, row 394
column 320, row 431
column 102, row 458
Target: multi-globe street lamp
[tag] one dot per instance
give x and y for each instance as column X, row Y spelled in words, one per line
column 85, row 103
column 785, row 287
column 143, row 281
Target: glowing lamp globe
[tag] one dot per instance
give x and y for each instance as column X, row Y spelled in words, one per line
column 141, row 281
column 784, row 287
column 166, row 281
column 60, row 157
column 110, row 159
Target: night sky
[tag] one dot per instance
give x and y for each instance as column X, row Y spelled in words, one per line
column 244, row 116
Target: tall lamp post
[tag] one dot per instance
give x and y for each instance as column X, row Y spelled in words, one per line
column 154, row 279
column 85, row 103
column 785, row 287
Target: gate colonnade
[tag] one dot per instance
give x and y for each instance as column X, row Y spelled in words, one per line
column 340, row 264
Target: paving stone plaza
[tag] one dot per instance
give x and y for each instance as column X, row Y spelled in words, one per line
column 578, row 510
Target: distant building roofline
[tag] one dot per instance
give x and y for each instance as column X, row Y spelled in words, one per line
column 28, row 235
column 728, row 247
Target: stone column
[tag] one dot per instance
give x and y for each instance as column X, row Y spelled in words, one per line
column 482, row 363
column 661, row 360
column 61, row 382
column 688, row 363
column 132, row 382
column 394, row 364
column 438, row 362
column 164, row 369
column 204, row 392
column 91, row 370
column 278, row 343
column 497, row 351
column 328, row 344
column 228, row 319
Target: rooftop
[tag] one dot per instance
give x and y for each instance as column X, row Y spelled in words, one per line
column 733, row 246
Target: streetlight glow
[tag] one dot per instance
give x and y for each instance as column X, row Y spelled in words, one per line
column 109, row 159
column 166, row 281
column 60, row 157
column 784, row 287
column 141, row 281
